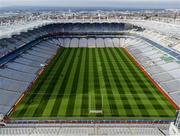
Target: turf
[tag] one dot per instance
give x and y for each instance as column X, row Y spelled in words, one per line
column 80, row 80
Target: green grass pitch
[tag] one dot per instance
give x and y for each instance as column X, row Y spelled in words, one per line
column 82, row 81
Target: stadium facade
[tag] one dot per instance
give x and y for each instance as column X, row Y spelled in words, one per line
column 28, row 55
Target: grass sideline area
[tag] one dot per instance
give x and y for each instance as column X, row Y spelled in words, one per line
column 94, row 82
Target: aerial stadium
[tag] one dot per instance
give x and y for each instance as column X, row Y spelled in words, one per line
column 90, row 73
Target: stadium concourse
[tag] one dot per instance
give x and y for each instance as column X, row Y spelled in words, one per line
column 27, row 55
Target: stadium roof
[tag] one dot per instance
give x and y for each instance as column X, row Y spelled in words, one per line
column 169, row 29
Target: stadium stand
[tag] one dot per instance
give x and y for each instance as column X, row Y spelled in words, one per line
column 161, row 65
column 171, row 30
column 25, row 69
column 85, row 129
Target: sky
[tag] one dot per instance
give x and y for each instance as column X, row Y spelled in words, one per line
column 94, row 3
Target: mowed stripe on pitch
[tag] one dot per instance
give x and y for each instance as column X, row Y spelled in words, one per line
column 118, row 89
column 91, row 83
column 62, row 86
column 80, row 82
column 108, row 84
column 129, row 89
column 69, row 86
column 84, row 104
column 73, row 92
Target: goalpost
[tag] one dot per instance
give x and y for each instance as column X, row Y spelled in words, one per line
column 92, row 107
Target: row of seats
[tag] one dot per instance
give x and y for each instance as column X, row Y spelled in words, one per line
column 25, row 69
column 83, row 130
